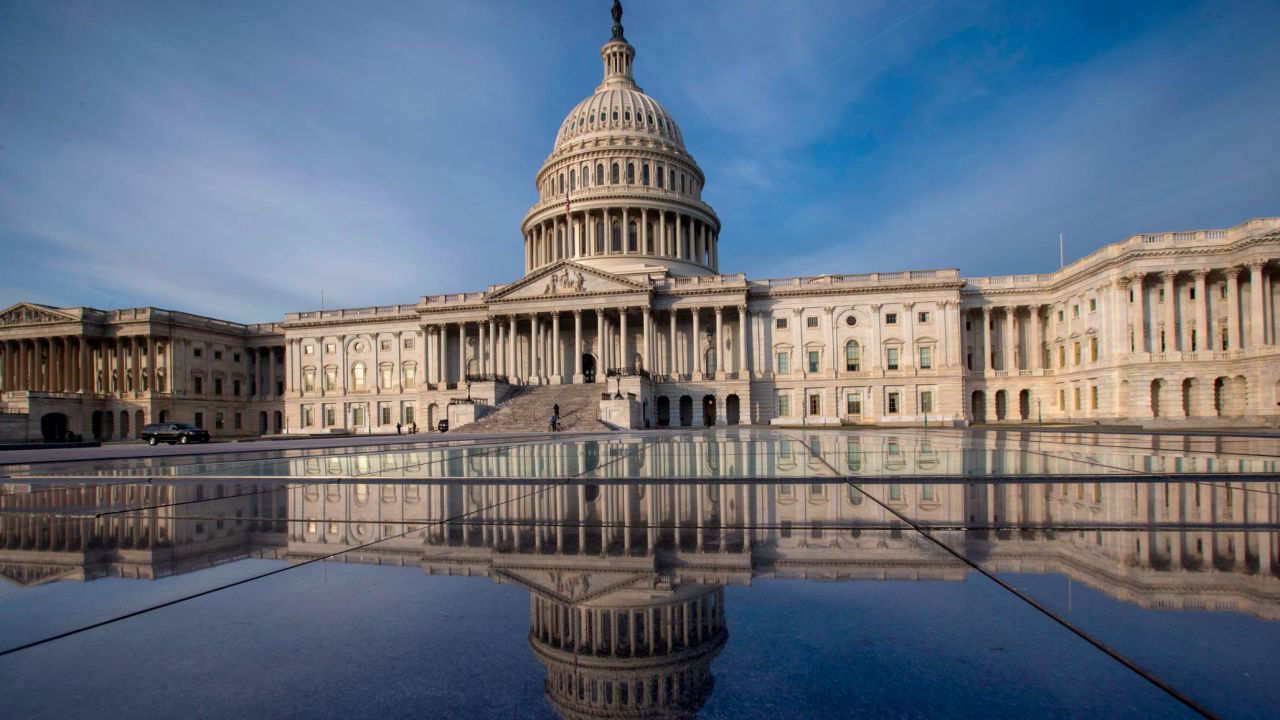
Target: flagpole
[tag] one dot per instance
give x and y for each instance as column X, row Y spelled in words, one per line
column 1062, row 259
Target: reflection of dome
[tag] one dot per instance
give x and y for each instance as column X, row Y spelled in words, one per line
column 619, row 192
column 632, row 653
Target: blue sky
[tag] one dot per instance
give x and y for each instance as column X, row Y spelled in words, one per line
column 236, row 158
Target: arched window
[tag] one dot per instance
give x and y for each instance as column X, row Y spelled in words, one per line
column 852, row 356
column 615, row 242
column 599, row 173
column 573, row 179
column 672, row 177
column 600, row 238
column 357, row 376
column 659, row 178
column 648, row 246
column 613, row 174
column 561, row 183
column 644, row 175
column 681, row 182
column 615, row 116
column 631, row 236
column 631, row 173
column 586, row 175
column 626, row 116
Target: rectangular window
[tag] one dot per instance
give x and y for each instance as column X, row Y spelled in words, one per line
column 1062, row 356
column 786, row 529
column 926, row 401
column 357, row 416
column 200, row 420
column 922, row 317
column 386, row 415
column 217, row 421
column 895, row 493
column 893, row 403
column 235, row 357
column 308, row 416
column 1093, row 349
column 891, row 318
column 410, row 376
column 1223, row 291
column 1078, row 400
column 813, row 361
column 217, row 354
column 780, row 323
column 1061, row 315
column 1093, row 397
column 235, row 388
column 309, row 379
column 784, row 405
column 1062, row 399
column 784, row 363
column 197, row 352
column 384, row 344
column 853, row 403
column 217, row 386
column 408, row 343
column 1075, row 311
column 815, row 404
column 891, row 358
column 926, row 358
column 927, row 493
column 1193, row 341
column 238, row 421
column 330, row 348
column 1075, row 353
column 1160, row 299
column 1191, row 292
column 309, row 350
column 330, row 378
column 811, row 322
column 1093, row 305
column 330, row 416
column 197, row 384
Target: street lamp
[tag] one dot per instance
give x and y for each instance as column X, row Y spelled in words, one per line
column 618, row 394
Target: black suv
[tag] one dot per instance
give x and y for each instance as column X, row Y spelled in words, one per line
column 174, row 433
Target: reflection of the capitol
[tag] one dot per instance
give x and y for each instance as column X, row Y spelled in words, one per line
column 627, row 579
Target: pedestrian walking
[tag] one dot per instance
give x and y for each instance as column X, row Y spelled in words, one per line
column 397, row 428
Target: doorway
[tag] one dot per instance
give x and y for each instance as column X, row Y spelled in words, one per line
column 588, row 368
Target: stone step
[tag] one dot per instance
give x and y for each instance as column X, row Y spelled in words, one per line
column 529, row 409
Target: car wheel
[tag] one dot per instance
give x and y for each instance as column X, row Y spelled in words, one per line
column 183, row 439
column 151, row 440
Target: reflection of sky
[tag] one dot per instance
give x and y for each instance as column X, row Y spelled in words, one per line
column 348, row 639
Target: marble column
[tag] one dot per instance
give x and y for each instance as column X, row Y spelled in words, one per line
column 1204, row 341
column 1139, row 313
column 577, row 346
column 1011, row 339
column 120, row 368
column 624, row 355
column 513, row 370
column 719, row 344
column 693, row 348
column 1257, row 313
column 557, row 356
column 1170, row 311
column 1035, row 343
column 1233, row 309
column 744, row 373
column 644, row 352
column 672, row 368
column 986, row 340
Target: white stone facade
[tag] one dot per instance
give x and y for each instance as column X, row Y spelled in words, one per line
column 622, row 280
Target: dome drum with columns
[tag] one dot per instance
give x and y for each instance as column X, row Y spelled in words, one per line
column 619, row 191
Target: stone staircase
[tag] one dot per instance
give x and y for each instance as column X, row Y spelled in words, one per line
column 529, row 408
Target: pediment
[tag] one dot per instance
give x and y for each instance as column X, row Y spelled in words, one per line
column 33, row 314
column 571, row 585
column 567, row 279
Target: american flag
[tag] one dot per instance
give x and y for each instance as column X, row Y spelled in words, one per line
column 567, row 221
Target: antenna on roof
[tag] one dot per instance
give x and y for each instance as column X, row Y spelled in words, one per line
column 1062, row 261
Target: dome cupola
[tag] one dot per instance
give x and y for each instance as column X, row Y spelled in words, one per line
column 619, row 191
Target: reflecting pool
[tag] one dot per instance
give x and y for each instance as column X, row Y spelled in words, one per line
column 739, row 574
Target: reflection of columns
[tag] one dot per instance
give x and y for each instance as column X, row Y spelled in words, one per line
column 1170, row 312
column 1203, row 341
column 743, row 319
column 986, row 339
column 1233, row 309
column 577, row 346
column 719, row 341
column 1139, row 313
column 1257, row 314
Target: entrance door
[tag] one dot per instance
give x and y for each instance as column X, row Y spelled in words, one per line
column 53, row 427
column 588, row 368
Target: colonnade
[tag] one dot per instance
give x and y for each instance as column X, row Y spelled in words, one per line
column 531, row 348
column 77, row 364
column 1010, row 353
column 625, row 231
column 1191, row 326
column 645, row 631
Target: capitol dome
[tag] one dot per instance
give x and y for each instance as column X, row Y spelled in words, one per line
column 619, row 192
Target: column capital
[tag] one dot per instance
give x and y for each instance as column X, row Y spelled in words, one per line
column 1256, row 265
column 908, row 305
column 944, row 304
column 742, row 309
column 1168, row 275
column 829, row 309
column 986, row 310
column 1199, row 274
column 1136, row 277
column 577, row 312
column 719, row 310
column 1232, row 272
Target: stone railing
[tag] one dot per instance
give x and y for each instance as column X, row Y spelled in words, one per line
column 612, row 194
column 351, row 313
column 699, row 281
column 453, row 299
column 861, row 279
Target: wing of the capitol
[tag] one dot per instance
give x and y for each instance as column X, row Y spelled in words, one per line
column 624, row 317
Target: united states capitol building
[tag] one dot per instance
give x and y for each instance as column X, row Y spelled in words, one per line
column 623, row 295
